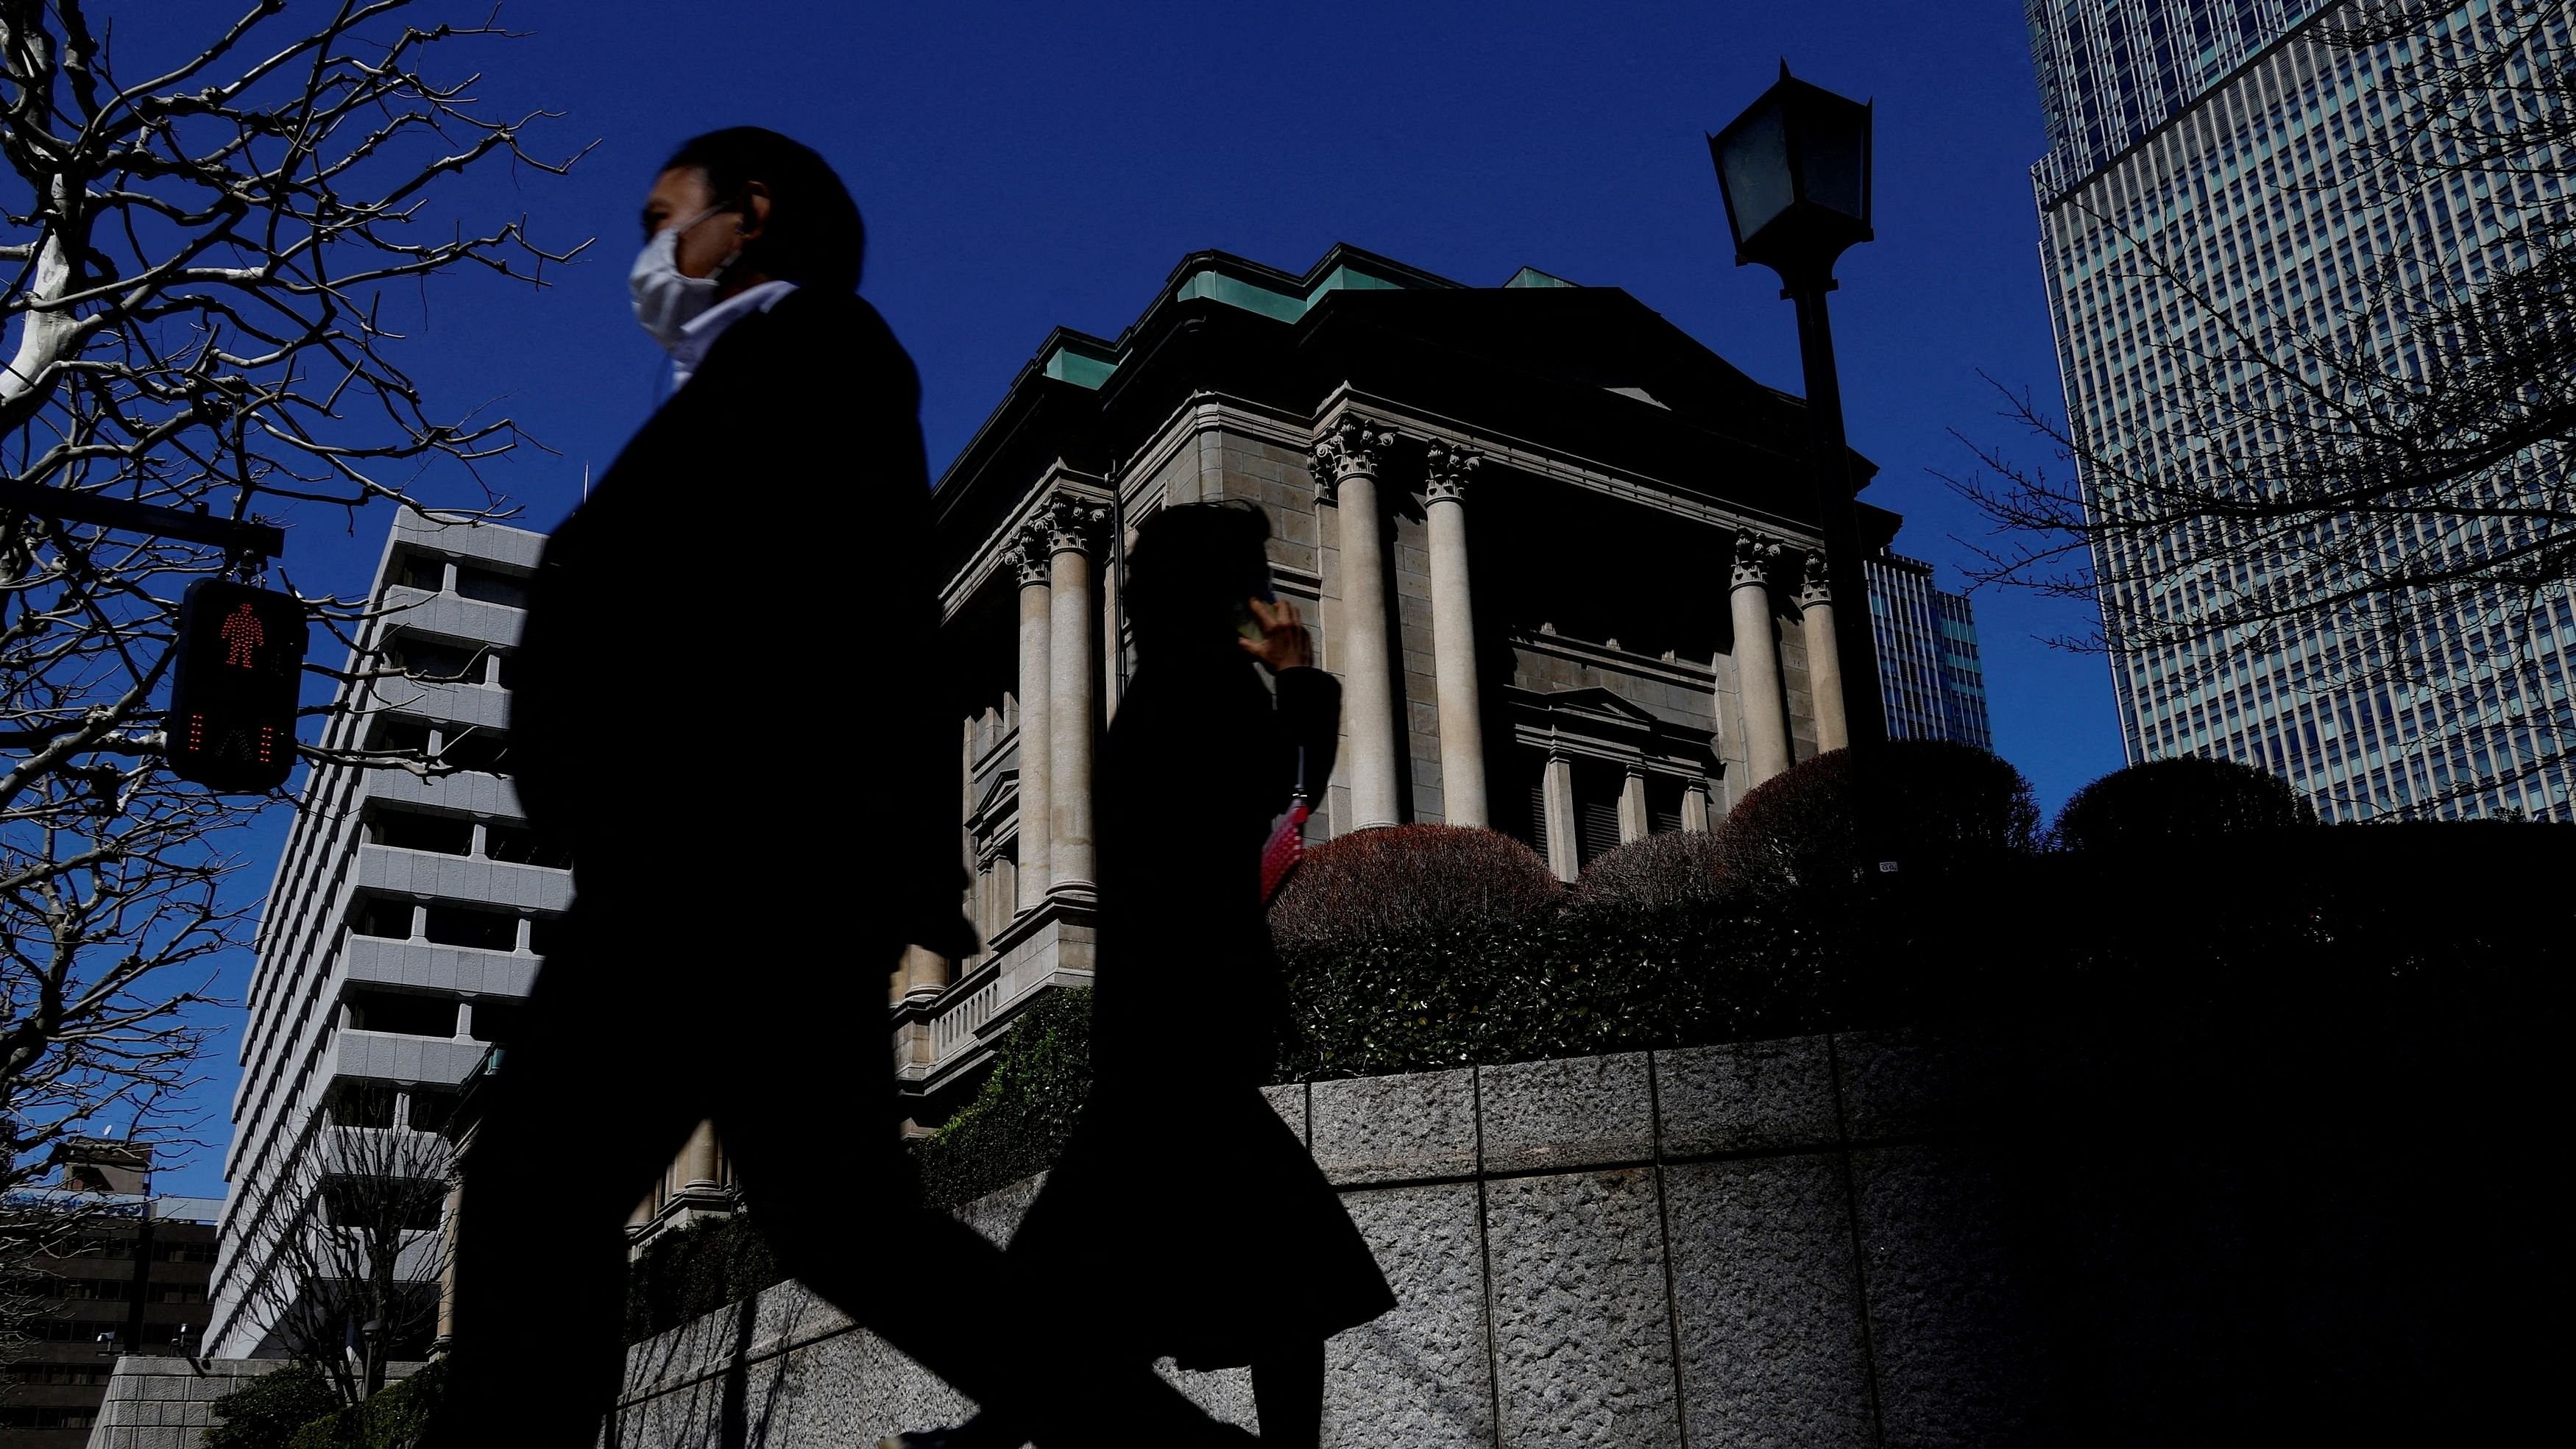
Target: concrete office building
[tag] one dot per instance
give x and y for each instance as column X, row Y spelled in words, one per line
column 2195, row 133
column 130, row 1280
column 1556, row 551
column 407, row 915
column 1929, row 669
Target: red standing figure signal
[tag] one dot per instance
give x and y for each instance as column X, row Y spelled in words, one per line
column 242, row 636
column 233, row 695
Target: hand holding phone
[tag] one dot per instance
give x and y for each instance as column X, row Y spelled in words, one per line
column 1275, row 635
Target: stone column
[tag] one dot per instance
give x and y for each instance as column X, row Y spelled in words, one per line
column 1695, row 807
column 1036, row 747
column 1634, row 822
column 1072, row 530
column 700, row 1168
column 1757, row 660
column 1564, row 849
column 1453, row 639
column 1346, row 466
column 1824, row 656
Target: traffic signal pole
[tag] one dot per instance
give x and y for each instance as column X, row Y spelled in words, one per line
column 258, row 540
column 240, row 650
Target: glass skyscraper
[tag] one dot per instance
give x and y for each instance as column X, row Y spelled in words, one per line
column 1929, row 670
column 2192, row 198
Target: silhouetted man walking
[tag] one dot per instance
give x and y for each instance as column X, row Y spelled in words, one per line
column 752, row 848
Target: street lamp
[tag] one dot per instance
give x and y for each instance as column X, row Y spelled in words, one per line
column 1794, row 169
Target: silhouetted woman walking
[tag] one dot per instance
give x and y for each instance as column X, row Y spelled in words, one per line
column 1185, row 1218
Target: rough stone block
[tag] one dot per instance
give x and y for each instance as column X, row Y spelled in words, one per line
column 1769, row 1319
column 1289, row 1100
column 1226, row 1394
column 997, row 1214
column 1918, row 1080
column 1421, row 1374
column 1953, row 1326
column 1744, row 1096
column 1582, row 1328
column 1577, row 1112
column 1388, row 1129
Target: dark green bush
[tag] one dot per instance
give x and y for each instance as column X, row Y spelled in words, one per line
column 2189, row 798
column 1655, row 871
column 1025, row 1109
column 1931, row 806
column 1409, row 880
column 267, row 1411
column 1572, row 982
column 695, row 1271
column 392, row 1419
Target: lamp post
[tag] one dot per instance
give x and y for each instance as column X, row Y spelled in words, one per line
column 1794, row 169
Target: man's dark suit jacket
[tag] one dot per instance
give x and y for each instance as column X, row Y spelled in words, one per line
column 730, row 707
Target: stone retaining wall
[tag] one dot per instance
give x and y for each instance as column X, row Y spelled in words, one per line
column 1642, row 1250
column 2119, row 1224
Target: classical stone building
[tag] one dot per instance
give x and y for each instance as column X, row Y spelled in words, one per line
column 1556, row 550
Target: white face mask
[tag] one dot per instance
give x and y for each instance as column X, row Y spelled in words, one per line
column 666, row 299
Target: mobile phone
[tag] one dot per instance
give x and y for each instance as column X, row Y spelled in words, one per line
column 1245, row 622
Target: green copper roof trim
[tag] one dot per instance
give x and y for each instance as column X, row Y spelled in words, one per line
column 1216, row 286
column 1082, row 369
column 1533, row 277
column 1087, row 369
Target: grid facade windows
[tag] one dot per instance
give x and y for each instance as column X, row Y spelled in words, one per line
column 2237, row 177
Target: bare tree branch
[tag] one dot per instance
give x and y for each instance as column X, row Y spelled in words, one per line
column 2372, row 484
column 206, row 271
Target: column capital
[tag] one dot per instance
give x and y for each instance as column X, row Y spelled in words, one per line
column 1027, row 553
column 1815, row 587
column 1064, row 525
column 1754, row 554
column 1351, row 446
column 1448, row 469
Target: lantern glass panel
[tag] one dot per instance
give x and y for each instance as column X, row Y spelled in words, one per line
column 1753, row 161
column 1834, row 140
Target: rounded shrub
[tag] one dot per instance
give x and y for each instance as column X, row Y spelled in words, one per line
column 1654, row 871
column 1406, row 880
column 2186, row 798
column 1932, row 806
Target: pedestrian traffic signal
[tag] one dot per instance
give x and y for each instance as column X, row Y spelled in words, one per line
column 232, row 698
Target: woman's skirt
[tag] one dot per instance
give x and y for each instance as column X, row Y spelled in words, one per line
column 1196, row 1228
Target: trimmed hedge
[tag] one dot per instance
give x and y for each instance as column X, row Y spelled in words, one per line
column 1408, row 880
column 695, row 1271
column 1934, row 806
column 393, row 1418
column 2186, row 798
column 1655, row 871
column 270, row 1410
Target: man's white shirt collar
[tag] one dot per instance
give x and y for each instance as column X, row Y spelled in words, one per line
column 701, row 331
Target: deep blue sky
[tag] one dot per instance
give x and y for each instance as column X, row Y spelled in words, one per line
column 1023, row 166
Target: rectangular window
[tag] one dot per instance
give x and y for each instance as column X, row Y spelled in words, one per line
column 431, row 1111
column 403, row 1013
column 381, row 916
column 361, row 1104
column 466, row 926
column 411, row 830
column 1596, row 809
column 419, row 571
column 490, row 587
column 434, row 659
column 519, row 845
column 484, row 750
